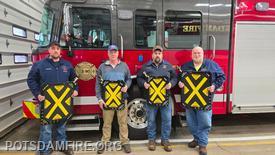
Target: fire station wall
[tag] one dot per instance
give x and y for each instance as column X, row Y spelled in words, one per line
column 20, row 23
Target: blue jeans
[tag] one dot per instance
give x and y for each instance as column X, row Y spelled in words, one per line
column 199, row 123
column 166, row 119
column 45, row 138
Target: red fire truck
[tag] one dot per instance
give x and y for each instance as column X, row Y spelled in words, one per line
column 238, row 34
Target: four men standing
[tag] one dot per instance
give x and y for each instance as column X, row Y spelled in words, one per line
column 51, row 70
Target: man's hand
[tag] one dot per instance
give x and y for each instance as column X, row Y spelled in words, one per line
column 75, row 93
column 211, row 88
column 181, row 85
column 146, row 85
column 40, row 98
column 168, row 86
column 101, row 104
column 124, row 89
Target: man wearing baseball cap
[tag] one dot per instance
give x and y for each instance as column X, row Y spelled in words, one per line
column 51, row 70
column 113, row 70
column 157, row 67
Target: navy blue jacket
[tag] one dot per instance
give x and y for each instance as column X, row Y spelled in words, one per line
column 218, row 76
column 164, row 69
column 45, row 72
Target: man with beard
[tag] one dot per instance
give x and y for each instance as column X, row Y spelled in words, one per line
column 51, row 70
column 157, row 67
column 199, row 120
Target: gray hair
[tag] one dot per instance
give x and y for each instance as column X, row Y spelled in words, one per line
column 198, row 47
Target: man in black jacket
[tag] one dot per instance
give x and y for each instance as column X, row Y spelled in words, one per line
column 51, row 70
column 157, row 67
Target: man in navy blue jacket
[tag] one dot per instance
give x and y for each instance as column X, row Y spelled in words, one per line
column 51, row 70
column 157, row 67
column 199, row 121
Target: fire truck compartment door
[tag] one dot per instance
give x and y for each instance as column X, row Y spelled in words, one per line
column 254, row 73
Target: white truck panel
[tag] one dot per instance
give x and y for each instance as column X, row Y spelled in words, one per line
column 254, row 73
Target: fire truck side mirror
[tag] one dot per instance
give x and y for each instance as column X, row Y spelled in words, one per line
column 68, row 26
column 68, row 19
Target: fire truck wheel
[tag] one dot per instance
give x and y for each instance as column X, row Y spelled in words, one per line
column 137, row 122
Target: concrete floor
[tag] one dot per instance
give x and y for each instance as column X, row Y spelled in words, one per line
column 231, row 135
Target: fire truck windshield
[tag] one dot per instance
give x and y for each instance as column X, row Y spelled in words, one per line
column 91, row 28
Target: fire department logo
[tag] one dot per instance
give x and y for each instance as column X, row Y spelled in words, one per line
column 85, row 71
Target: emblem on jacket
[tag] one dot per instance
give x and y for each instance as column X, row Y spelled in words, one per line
column 65, row 69
column 85, row 71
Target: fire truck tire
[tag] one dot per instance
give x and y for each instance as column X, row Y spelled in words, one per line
column 137, row 122
column 137, row 134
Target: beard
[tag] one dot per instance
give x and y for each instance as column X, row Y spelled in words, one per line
column 55, row 57
column 199, row 60
column 157, row 60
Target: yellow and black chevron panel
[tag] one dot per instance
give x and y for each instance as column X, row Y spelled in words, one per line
column 157, row 91
column 112, row 95
column 57, row 105
column 195, row 93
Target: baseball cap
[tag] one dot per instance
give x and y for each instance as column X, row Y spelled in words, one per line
column 54, row 43
column 158, row 48
column 112, row 47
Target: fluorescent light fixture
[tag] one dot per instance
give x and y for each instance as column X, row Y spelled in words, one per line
column 227, row 5
column 202, row 4
column 215, row 5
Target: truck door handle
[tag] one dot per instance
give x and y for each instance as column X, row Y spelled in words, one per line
column 121, row 46
column 214, row 46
